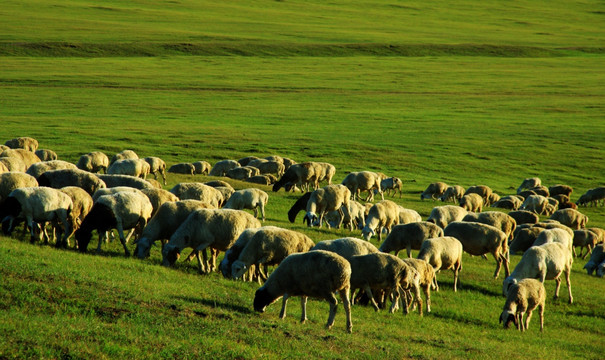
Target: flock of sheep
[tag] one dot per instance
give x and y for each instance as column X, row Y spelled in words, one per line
column 74, row 200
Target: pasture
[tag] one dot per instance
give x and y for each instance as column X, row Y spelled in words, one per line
column 464, row 93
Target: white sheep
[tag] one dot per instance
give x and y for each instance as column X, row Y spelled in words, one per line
column 452, row 194
column 407, row 216
column 346, row 247
column 202, row 167
column 268, row 167
column 26, row 156
column 524, row 238
column 39, row 168
column 13, row 180
column 122, row 155
column 182, row 168
column 37, row 205
column 443, row 215
column 353, row 219
column 221, row 167
column 584, row 238
column 156, row 166
column 203, row 228
column 559, row 235
column 122, row 211
column 231, row 255
column 24, row 142
column 383, row 214
column 391, row 185
column 94, row 162
column 246, row 160
column 560, row 189
column 596, row 258
column 363, row 181
column 13, row 164
column 480, row 239
column 497, row 219
column 529, row 183
column 523, row 296
column 328, row 198
column 508, row 202
column 270, row 245
column 571, row 218
column 409, row 236
column 133, row 167
column 592, row 196
column 472, row 202
column 252, row 199
column 535, row 203
column 434, row 191
column 46, row 154
column 82, row 204
column 71, row 177
column 426, row 274
column 524, row 217
column 198, row 191
column 482, row 190
column 302, row 175
column 544, row 262
column 325, row 172
column 157, row 197
column 317, row 274
column 443, row 253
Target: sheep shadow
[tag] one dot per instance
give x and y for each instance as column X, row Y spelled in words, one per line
column 444, row 284
column 212, row 303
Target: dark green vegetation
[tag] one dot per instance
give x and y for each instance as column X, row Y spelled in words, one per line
column 467, row 93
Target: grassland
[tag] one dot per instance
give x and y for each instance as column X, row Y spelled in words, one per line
column 468, row 93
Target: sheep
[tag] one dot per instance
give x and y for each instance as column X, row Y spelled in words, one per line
column 156, row 166
column 202, row 167
column 524, row 238
column 82, row 204
column 214, row 228
column 154, row 183
column 555, row 235
column 596, row 258
column 219, row 183
column 535, row 203
column 584, row 239
column 544, row 262
column 270, row 245
column 510, row 203
column 479, row 239
column 253, row 199
column 239, row 173
column 231, row 255
column 226, row 192
column 94, row 162
column 25, row 142
column 553, row 224
column 328, row 198
column 3, row 168
column 524, row 217
column 133, row 167
column 409, row 236
column 523, row 296
column 37, row 204
column 383, row 214
column 13, row 180
column 472, row 202
column 492, row 198
column 392, row 184
column 453, row 194
column 268, row 167
column 317, row 274
column 182, row 168
column 122, row 211
column 560, row 189
column 198, row 191
column 221, row 167
column 39, row 168
column 571, row 218
column 125, row 180
column 27, row 157
column 363, row 181
column 526, row 193
column 157, row 197
column 434, row 191
column 529, row 183
column 325, row 172
column 164, row 223
column 302, row 175
column 600, row 234
column 426, row 274
column 442, row 253
column 46, row 154
column 482, row 190
column 346, row 247
column 353, row 219
column 266, row 179
column 71, row 177
column 122, row 155
column 591, row 196
column 541, row 190
column 407, row 216
column 443, row 215
column 246, row 160
column 13, row 164
column 497, row 219
column 299, row 205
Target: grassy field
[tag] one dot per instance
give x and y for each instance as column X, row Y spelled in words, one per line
column 467, row 93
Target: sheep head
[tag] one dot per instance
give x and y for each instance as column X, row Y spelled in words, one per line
column 262, row 298
column 507, row 317
column 238, row 269
column 170, row 254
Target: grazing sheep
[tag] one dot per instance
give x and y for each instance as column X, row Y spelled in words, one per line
column 479, row 239
column 268, row 167
column 346, row 247
column 157, row 197
column 410, row 236
column 122, row 211
column 471, row 202
column 492, row 198
column 328, row 198
column 434, row 191
column 71, row 177
column 202, row 167
column 26, row 156
column 535, row 203
column 452, row 194
column 125, row 180
column 510, row 203
column 524, row 238
column 198, row 191
column 39, row 168
column 133, row 167
column 596, row 258
column 407, row 216
column 94, row 162
column 239, row 173
column 82, row 204
column 123, row 155
column 560, row 190
column 600, row 234
column 524, row 217
column 544, row 262
column 541, row 190
column 443, row 215
column 154, row 183
column 156, row 166
column 584, row 239
column 182, row 168
column 39, row 205
column 301, row 175
column 13, row 164
column 14, row 180
column 571, row 218
column 443, row 253
column 299, row 205
column 592, row 196
column 482, row 190
column 496, row 219
column 46, row 154
column 526, row 193
column 383, row 214
column 253, row 199
column 529, row 183
column 391, row 184
column 246, row 160
column 270, row 245
column 555, row 235
column 25, row 142
column 219, row 183
column 363, row 181
column 221, row 167
column 266, row 179
column 426, row 274
column 317, row 274
column 353, row 219
column 164, row 223
column 325, row 172
column 523, row 296
column 203, row 228
column 231, row 255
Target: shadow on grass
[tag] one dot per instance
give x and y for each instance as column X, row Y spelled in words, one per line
column 216, row 304
column 468, row 287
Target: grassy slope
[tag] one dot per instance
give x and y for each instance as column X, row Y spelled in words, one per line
column 496, row 97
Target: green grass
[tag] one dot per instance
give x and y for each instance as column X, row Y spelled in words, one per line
column 466, row 92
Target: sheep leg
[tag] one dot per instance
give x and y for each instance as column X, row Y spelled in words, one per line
column 333, row 305
column 395, row 296
column 303, row 305
column 541, row 313
column 344, row 296
column 368, row 292
column 456, row 273
column 527, row 319
column 498, row 264
column 262, row 211
column 68, row 230
column 567, row 274
column 427, row 295
column 557, row 285
column 122, row 239
column 102, row 238
column 282, row 313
